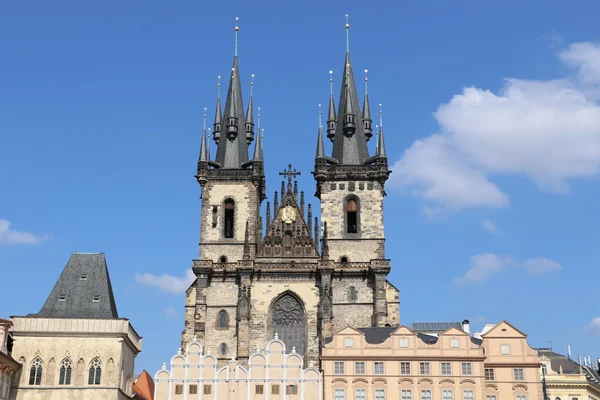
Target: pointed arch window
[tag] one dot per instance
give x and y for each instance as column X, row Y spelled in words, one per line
column 35, row 372
column 352, row 296
column 223, row 349
column 95, row 372
column 66, row 367
column 352, row 215
column 222, row 319
column 229, row 218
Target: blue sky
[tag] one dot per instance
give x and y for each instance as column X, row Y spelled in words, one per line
column 492, row 123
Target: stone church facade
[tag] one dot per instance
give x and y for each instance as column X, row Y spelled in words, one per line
column 287, row 273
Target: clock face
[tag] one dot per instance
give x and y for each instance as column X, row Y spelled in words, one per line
column 288, row 214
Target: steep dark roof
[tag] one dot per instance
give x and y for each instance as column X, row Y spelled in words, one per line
column 559, row 360
column 377, row 335
column 434, row 326
column 75, row 293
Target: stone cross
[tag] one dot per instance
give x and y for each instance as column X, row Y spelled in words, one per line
column 289, row 174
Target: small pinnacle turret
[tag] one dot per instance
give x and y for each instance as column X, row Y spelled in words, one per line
column 204, row 157
column 250, row 117
column 366, row 112
column 218, row 114
column 320, row 146
column 381, row 142
column 331, row 117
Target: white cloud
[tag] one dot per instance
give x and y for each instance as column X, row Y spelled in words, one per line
column 548, row 131
column 11, row 236
column 170, row 312
column 594, row 326
column 540, row 265
column 491, row 227
column 484, row 265
column 166, row 282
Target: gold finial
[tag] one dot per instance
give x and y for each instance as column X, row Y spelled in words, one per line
column 320, row 124
column 381, row 115
column 219, row 86
column 347, row 35
column 262, row 136
column 366, row 81
column 330, row 82
column 204, row 117
column 258, row 118
column 237, row 28
column 251, row 84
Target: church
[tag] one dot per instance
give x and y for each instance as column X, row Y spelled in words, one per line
column 287, row 275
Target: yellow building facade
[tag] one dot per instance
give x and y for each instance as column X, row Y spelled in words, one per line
column 567, row 380
column 398, row 363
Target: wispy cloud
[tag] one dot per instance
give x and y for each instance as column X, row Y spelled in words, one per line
column 594, row 326
column 484, row 266
column 170, row 312
column 491, row 227
column 546, row 130
column 10, row 236
column 167, row 283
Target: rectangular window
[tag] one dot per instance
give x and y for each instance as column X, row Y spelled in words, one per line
column 259, row 389
column 292, row 389
column 446, row 368
column 403, row 342
column 518, row 374
column 489, row 374
column 490, row 397
column 406, row 394
column 447, row 394
column 379, row 394
column 193, row 389
column 467, row 368
column 274, row 389
column 424, row 368
column 348, row 342
column 454, row 343
column 339, row 394
column 468, row 395
column 521, row 397
column 207, row 389
column 178, row 389
column 505, row 349
column 378, row 368
column 338, row 368
column 404, row 368
column 360, row 394
column 359, row 368
column 426, row 394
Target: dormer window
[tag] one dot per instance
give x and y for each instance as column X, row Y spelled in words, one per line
column 348, row 342
column 96, row 299
column 62, row 297
column 454, row 343
column 83, row 277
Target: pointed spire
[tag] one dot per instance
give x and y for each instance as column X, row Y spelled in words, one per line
column 381, row 143
column 268, row 213
column 331, row 118
column 236, row 29
column 302, row 202
column 208, row 141
column 309, row 219
column 246, row 255
column 258, row 152
column 275, row 203
column 347, row 35
column 204, row 144
column 316, row 239
column 218, row 114
column 250, row 116
column 349, row 117
column 296, row 190
column 366, row 112
column 324, row 244
column 320, row 145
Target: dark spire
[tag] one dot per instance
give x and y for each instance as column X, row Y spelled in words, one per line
column 381, row 143
column 218, row 114
column 320, row 145
column 250, row 117
column 204, row 157
column 258, row 153
column 366, row 112
column 296, row 190
column 331, row 119
column 246, row 255
column 316, row 230
column 324, row 244
column 268, row 213
column 232, row 150
column 275, row 203
column 349, row 143
column 309, row 219
column 302, row 202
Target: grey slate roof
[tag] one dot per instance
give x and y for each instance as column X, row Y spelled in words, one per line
column 84, row 277
column 377, row 335
column 559, row 360
column 434, row 326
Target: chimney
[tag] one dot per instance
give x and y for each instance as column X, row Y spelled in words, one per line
column 569, row 350
column 466, row 327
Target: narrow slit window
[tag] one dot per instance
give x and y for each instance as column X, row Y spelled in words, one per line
column 229, row 218
column 351, row 216
column 62, row 297
column 96, row 299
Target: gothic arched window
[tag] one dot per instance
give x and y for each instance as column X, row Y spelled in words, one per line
column 222, row 319
column 229, row 218
column 65, row 372
column 352, row 215
column 352, row 296
column 95, row 372
column 223, row 349
column 35, row 373
column 287, row 315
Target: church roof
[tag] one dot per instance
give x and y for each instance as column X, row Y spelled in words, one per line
column 83, row 290
column 144, row 386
